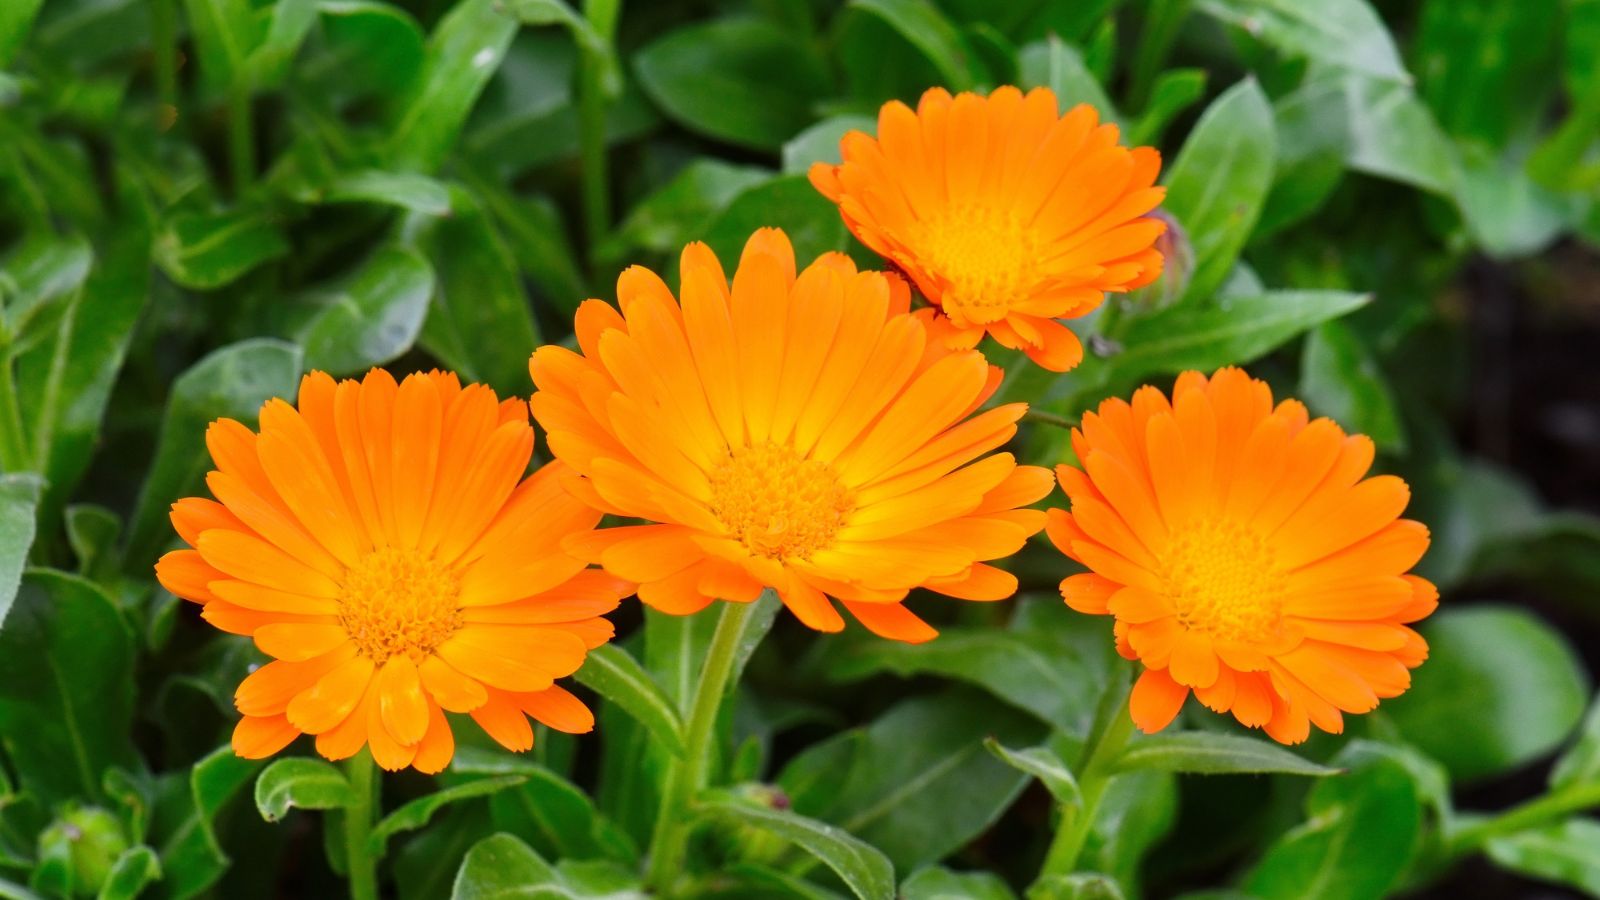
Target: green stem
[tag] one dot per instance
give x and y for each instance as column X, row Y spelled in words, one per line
column 1163, row 19
column 164, row 40
column 688, row 775
column 1541, row 811
column 1095, row 772
column 1048, row 418
column 13, row 437
column 358, row 816
column 602, row 15
column 241, row 140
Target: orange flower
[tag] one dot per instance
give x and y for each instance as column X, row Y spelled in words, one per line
column 1007, row 215
column 377, row 543
column 799, row 433
column 1244, row 556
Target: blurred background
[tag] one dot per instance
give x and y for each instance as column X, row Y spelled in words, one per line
column 1390, row 210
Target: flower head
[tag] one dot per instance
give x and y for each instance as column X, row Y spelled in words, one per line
column 1006, row 214
column 1244, row 555
column 798, row 432
column 380, row 543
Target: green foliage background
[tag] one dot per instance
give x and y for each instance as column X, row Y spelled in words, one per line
column 202, row 199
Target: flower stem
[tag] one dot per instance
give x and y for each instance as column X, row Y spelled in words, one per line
column 1543, row 810
column 687, row 776
column 358, row 816
column 602, row 15
column 1095, row 772
column 13, row 437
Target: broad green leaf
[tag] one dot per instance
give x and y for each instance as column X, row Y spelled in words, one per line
column 232, row 382
column 1218, row 183
column 1567, row 854
column 1359, row 836
column 548, row 811
column 1174, row 92
column 365, row 47
column 92, row 532
column 865, row 870
column 426, row 865
column 820, row 142
column 480, row 323
column 743, row 81
column 66, row 659
column 618, row 677
column 183, row 824
column 917, row 782
column 16, row 18
column 1059, row 67
column 1208, row 753
column 12, row 891
column 463, row 53
column 1580, row 764
column 35, row 282
column 500, row 867
column 681, row 210
column 1501, row 688
column 1045, row 764
column 420, row 811
column 19, row 497
column 1232, row 331
column 789, row 202
column 1077, row 886
column 205, row 251
column 538, row 238
column 1480, row 91
column 1508, row 213
column 1340, row 379
column 936, row 883
column 406, row 190
column 925, row 27
column 300, row 782
column 372, row 318
column 224, row 32
column 1344, row 33
column 287, row 25
column 1393, row 135
column 133, row 871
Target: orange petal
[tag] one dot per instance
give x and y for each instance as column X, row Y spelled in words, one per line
column 1156, row 700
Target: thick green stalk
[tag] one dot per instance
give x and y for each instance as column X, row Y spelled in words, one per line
column 592, row 101
column 1097, row 772
column 687, row 775
column 358, row 816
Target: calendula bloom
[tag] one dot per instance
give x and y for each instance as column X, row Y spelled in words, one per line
column 1006, row 214
column 794, row 432
column 380, row 543
column 1245, row 556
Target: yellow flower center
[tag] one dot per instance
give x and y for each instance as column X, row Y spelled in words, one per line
column 1222, row 579
column 778, row 503
column 984, row 255
column 399, row 601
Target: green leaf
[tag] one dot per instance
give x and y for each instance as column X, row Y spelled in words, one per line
column 1232, row 331
column 1208, row 753
column 925, row 27
column 224, row 31
column 231, row 382
column 367, row 47
column 420, row 811
column 1340, row 379
column 1478, row 90
column 374, row 317
column 1344, row 33
column 1174, row 92
column 1136, row 812
column 1580, row 764
column 288, row 23
column 303, row 782
column 463, row 53
column 1567, row 854
column 92, row 532
column 184, row 821
column 1218, row 183
column 480, row 323
column 136, row 869
column 205, row 251
column 1058, row 66
column 1077, row 886
column 865, row 870
column 557, row 12
column 548, row 811
column 1359, row 837
column 1500, row 689
column 618, row 677
column 789, row 202
column 917, row 782
column 743, row 81
column 681, row 210
column 1044, row 764
column 500, row 867
column 12, row 891
column 935, row 883
column 15, row 20
column 1508, row 213
column 66, row 659
column 19, row 496
column 535, row 234
column 820, row 142
column 406, row 190
column 37, row 276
